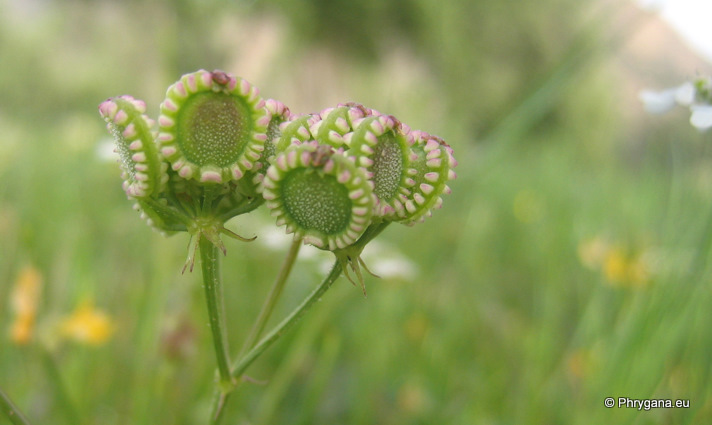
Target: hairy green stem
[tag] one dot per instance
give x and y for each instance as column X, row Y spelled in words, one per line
column 11, row 411
column 272, row 297
column 210, row 194
column 261, row 321
column 210, row 263
column 287, row 323
column 246, row 360
column 370, row 233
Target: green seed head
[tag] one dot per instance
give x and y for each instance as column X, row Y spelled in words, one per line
column 290, row 131
column 279, row 114
column 143, row 169
column 431, row 167
column 319, row 194
column 212, row 126
column 381, row 145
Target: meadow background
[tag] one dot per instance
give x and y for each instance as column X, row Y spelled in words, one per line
column 569, row 264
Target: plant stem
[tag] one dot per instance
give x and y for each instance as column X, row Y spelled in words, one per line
column 272, row 297
column 286, row 324
column 210, row 263
column 11, row 411
column 262, row 319
column 245, row 361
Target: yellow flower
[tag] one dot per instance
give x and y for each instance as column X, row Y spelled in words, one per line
column 619, row 266
column 87, row 325
column 23, row 303
column 615, row 266
column 623, row 269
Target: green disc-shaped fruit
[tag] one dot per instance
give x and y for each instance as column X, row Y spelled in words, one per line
column 143, row 170
column 381, row 144
column 319, row 195
column 212, row 126
column 431, row 167
column 279, row 114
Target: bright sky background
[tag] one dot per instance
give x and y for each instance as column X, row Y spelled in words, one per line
column 691, row 18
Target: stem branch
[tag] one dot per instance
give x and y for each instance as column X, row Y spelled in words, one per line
column 244, row 361
column 11, row 411
column 241, row 208
column 272, row 297
column 216, row 310
column 286, row 324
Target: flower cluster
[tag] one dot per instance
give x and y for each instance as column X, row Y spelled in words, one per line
column 696, row 95
column 332, row 178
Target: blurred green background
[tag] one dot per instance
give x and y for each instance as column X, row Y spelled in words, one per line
column 569, row 264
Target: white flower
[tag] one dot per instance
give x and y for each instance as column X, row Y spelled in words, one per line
column 388, row 262
column 694, row 95
column 658, row 102
column 273, row 238
column 701, row 117
column 685, row 94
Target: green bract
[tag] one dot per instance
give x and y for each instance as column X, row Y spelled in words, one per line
column 212, row 126
column 320, row 195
